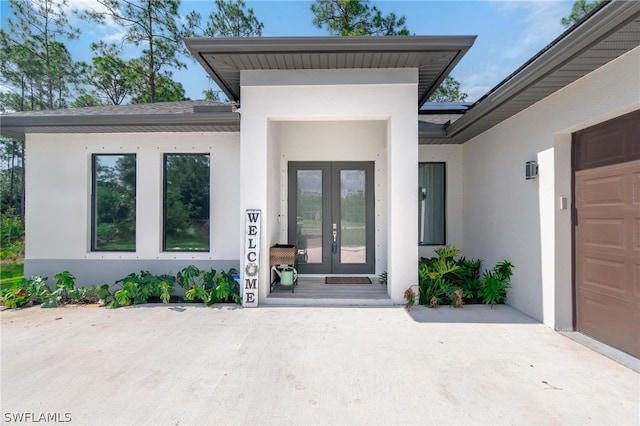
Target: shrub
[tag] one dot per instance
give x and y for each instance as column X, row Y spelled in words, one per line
column 435, row 276
column 467, row 279
column 445, row 280
column 138, row 288
column 495, row 283
column 11, row 235
column 209, row 287
column 32, row 291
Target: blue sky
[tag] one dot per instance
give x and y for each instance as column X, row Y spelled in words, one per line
column 509, row 32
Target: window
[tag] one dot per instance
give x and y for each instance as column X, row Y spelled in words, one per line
column 186, row 202
column 114, row 202
column 431, row 205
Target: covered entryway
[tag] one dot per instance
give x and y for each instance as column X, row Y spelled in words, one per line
column 331, row 216
column 607, row 232
column 281, row 83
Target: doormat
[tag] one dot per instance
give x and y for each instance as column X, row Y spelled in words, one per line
column 347, row 280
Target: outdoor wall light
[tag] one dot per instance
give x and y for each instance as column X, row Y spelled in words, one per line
column 531, row 170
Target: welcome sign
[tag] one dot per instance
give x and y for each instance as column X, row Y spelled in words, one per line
column 251, row 259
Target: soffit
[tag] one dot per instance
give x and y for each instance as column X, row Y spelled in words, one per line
column 611, row 31
column 433, row 56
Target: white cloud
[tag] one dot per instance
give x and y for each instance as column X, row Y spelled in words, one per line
column 541, row 25
column 479, row 82
column 107, row 31
column 538, row 24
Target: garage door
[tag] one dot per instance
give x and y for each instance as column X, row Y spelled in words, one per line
column 607, row 232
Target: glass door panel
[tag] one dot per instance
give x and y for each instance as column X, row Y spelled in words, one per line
column 309, row 215
column 353, row 224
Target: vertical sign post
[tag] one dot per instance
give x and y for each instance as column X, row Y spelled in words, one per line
column 251, row 272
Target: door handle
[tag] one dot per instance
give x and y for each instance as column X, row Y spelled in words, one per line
column 334, row 243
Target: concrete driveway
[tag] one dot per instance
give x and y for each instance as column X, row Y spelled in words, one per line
column 189, row 364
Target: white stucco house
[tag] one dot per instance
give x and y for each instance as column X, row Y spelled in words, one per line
column 331, row 139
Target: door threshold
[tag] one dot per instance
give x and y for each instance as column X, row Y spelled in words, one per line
column 317, row 302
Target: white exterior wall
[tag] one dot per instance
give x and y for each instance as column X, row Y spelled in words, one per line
column 451, row 155
column 58, row 203
column 273, row 99
column 508, row 217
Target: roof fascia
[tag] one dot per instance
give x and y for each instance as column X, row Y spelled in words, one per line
column 201, row 46
column 607, row 20
column 325, row 44
column 15, row 126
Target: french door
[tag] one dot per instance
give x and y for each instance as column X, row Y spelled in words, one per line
column 331, row 216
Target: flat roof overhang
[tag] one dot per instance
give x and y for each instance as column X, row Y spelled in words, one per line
column 181, row 116
column 433, row 56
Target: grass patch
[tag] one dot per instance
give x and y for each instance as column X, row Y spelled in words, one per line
column 11, row 274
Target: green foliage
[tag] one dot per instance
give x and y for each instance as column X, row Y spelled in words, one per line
column 166, row 89
column 467, row 278
column 579, row 9
column 66, row 292
column 153, row 25
column 187, row 179
column 447, row 253
column 35, row 65
column 31, row 291
column 495, row 283
column 11, row 178
column 104, row 294
column 449, row 279
column 449, row 91
column 356, row 18
column 187, row 276
column 66, row 280
column 112, row 78
column 34, row 291
column 11, row 271
column 209, row 287
column 11, row 274
column 115, row 199
column 231, row 18
column 435, row 275
column 382, row 278
column 14, row 298
column 139, row 288
column 11, row 236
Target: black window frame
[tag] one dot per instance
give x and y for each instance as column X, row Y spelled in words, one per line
column 444, row 205
column 94, row 202
column 164, row 201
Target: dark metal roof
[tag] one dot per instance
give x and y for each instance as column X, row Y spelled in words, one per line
column 429, row 108
column 434, row 56
column 607, row 33
column 183, row 116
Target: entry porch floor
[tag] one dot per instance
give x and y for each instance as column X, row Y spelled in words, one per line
column 311, row 290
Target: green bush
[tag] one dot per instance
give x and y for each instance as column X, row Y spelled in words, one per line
column 493, row 289
column 467, row 279
column 32, row 291
column 440, row 277
column 11, row 235
column 209, row 287
column 138, row 288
